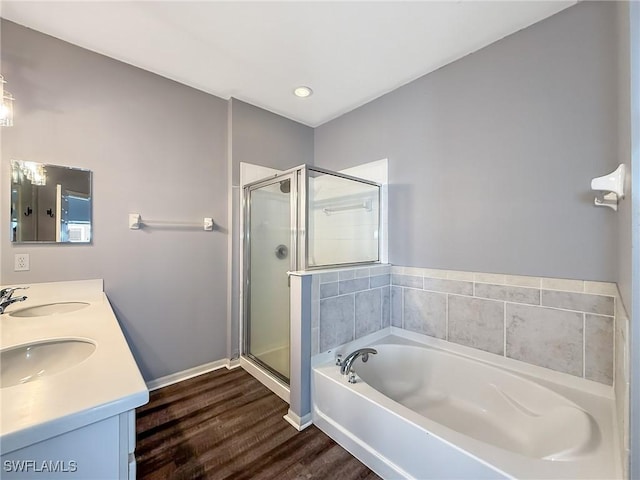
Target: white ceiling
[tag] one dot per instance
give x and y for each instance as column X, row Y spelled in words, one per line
column 349, row 52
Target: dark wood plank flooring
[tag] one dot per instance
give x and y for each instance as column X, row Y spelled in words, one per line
column 227, row 425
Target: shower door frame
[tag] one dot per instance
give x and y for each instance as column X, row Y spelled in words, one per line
column 293, row 176
column 304, row 246
column 299, row 177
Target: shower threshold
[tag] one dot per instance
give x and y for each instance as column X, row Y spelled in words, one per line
column 255, row 368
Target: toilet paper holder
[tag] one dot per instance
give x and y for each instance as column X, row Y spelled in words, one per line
column 611, row 188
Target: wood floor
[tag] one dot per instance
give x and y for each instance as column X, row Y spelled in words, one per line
column 227, row 425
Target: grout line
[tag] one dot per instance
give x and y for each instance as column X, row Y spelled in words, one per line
column 579, row 293
column 557, row 308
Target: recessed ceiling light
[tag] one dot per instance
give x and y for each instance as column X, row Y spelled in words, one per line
column 303, row 92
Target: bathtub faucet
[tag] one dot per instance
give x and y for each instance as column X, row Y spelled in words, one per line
column 6, row 297
column 345, row 367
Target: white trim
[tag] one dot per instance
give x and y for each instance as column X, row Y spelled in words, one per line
column 190, row 373
column 299, row 423
column 268, row 380
column 233, row 364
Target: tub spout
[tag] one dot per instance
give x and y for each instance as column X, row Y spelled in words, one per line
column 347, row 363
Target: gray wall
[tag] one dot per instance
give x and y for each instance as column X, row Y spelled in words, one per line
column 624, row 153
column 263, row 138
column 491, row 157
column 157, row 148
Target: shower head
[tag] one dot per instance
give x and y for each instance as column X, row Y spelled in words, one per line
column 285, row 186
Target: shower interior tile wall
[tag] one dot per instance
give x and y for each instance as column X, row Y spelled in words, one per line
column 564, row 325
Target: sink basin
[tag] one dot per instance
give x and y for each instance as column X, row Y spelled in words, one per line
column 49, row 309
column 26, row 363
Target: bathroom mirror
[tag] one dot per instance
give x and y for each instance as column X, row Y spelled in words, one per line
column 50, row 203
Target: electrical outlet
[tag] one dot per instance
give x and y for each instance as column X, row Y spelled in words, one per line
column 21, row 262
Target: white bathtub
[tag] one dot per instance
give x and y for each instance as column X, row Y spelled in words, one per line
column 429, row 410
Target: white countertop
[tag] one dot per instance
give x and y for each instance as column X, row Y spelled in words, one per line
column 105, row 384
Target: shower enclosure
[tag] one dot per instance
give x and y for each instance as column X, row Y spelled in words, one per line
column 300, row 219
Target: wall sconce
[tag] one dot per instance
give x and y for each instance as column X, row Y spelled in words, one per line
column 611, row 188
column 6, row 108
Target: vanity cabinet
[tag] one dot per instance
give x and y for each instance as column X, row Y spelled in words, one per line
column 75, row 417
column 101, row 450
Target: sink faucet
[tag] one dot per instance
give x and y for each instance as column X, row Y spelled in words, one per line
column 6, row 297
column 347, row 363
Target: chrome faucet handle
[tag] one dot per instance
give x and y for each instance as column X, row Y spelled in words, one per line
column 352, row 377
column 7, row 292
column 339, row 360
column 5, row 302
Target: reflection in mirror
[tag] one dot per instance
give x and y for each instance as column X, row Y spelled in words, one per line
column 50, row 203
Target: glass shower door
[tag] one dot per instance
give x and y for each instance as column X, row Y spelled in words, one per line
column 270, row 237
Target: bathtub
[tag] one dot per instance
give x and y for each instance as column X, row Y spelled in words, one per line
column 423, row 408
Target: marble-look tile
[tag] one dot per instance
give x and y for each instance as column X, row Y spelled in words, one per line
column 425, row 312
column 315, row 314
column 396, row 306
column 380, row 270
column 315, row 341
column 621, row 348
column 386, row 306
column 329, row 289
column 530, row 296
column 495, row 278
column 563, row 284
column 462, row 276
column 448, row 286
column 355, row 285
column 406, row 281
column 415, row 271
column 477, row 323
column 329, row 277
column 368, row 312
column 598, row 345
column 545, row 337
column 601, row 288
column 396, row 270
column 347, row 274
column 337, row 321
column 522, row 281
column 379, row 280
column 362, row 272
column 581, row 302
column 433, row 273
column 315, row 288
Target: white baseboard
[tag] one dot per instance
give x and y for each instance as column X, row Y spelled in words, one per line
column 299, row 423
column 191, row 372
column 235, row 363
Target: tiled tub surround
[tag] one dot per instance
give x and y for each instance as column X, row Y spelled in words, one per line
column 348, row 304
column 564, row 325
column 621, row 383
